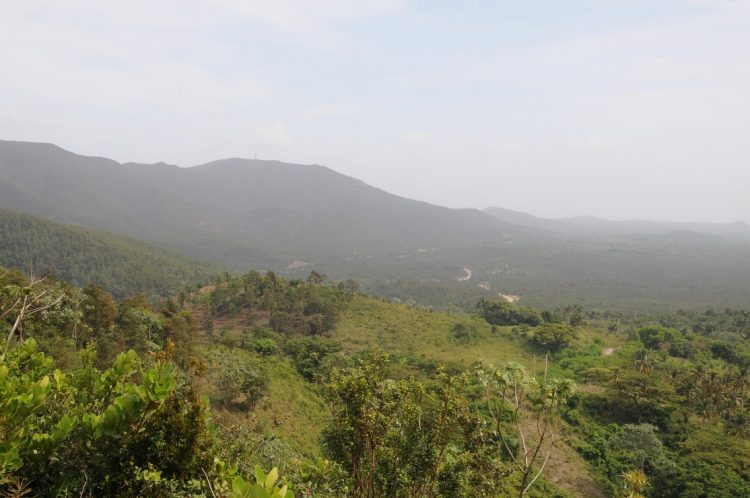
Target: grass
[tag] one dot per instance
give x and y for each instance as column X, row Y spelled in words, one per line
column 293, row 410
column 406, row 331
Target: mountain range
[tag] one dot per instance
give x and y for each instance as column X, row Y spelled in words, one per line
column 239, row 212
column 242, row 214
column 592, row 226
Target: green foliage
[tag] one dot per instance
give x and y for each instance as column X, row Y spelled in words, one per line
column 464, row 332
column 322, row 477
column 25, row 384
column 265, row 346
column 241, row 380
column 56, row 424
column 398, row 437
column 106, row 434
column 655, row 336
column 308, row 308
column 637, row 444
column 510, row 392
column 666, row 394
column 264, row 486
column 308, row 355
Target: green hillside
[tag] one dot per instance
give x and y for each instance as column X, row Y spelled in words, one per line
column 238, row 212
column 663, row 393
column 344, row 393
column 84, row 256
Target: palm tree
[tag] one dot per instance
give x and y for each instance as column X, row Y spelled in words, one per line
column 635, row 482
column 738, row 424
column 643, row 362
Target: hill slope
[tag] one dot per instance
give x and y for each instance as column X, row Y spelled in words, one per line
column 82, row 256
column 235, row 211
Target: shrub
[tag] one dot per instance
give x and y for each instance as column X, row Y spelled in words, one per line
column 265, row 346
column 308, row 354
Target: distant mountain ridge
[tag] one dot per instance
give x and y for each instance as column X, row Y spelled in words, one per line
column 235, row 211
column 593, row 226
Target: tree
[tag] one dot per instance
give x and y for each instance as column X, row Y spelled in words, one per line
column 512, row 391
column 634, row 484
column 241, row 383
column 398, row 437
column 18, row 302
column 637, row 443
column 737, row 424
column 99, row 310
column 129, row 430
column 554, row 336
column 654, row 336
column 315, row 278
column 576, row 315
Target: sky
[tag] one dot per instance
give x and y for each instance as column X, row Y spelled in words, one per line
column 615, row 108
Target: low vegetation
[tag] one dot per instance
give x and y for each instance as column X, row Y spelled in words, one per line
column 347, row 395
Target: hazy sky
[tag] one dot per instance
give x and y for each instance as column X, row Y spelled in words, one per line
column 610, row 107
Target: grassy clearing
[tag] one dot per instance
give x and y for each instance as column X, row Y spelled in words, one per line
column 403, row 330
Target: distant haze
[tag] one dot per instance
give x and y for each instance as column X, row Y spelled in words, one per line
column 620, row 109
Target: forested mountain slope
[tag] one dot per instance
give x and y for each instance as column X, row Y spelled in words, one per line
column 84, row 256
column 240, row 212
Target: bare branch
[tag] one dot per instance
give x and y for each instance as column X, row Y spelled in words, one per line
column 541, row 469
column 12, row 307
column 84, row 483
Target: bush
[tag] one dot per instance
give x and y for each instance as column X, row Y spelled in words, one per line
column 308, row 353
column 265, row 346
column 463, row 332
column 682, row 349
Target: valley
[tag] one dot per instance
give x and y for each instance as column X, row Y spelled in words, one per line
column 247, row 214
